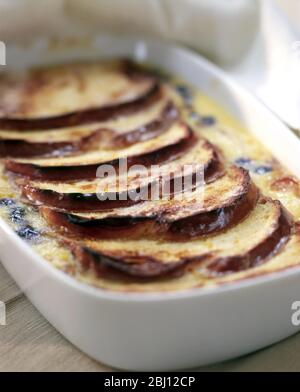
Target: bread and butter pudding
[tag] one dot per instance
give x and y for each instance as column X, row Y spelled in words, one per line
column 60, row 124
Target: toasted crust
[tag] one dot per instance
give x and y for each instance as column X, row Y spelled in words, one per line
column 167, row 147
column 28, row 146
column 266, row 249
column 133, row 189
column 131, row 258
column 68, row 95
column 24, row 149
column 200, row 152
column 114, row 267
column 194, row 153
column 146, row 131
column 223, row 204
column 177, row 133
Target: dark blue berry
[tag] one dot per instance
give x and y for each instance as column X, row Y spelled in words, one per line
column 183, row 90
column 7, row 202
column 28, row 233
column 243, row 161
column 208, row 120
column 253, row 166
column 195, row 116
column 17, row 215
column 262, row 169
column 185, row 93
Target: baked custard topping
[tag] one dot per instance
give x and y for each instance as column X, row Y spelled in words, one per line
column 201, row 202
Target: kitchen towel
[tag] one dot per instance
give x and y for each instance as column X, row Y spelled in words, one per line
column 222, row 30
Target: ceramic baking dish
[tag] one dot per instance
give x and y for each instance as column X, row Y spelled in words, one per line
column 162, row 331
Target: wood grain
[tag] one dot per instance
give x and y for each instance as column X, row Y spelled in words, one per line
column 29, row 343
column 8, row 289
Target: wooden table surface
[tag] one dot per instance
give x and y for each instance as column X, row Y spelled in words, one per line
column 29, row 343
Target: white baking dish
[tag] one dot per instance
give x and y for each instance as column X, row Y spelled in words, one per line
column 173, row 330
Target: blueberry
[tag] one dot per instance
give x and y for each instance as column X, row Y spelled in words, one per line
column 183, row 90
column 17, row 215
column 185, row 93
column 208, row 120
column 262, row 169
column 253, row 166
column 243, row 162
column 7, row 202
column 28, row 233
column 195, row 116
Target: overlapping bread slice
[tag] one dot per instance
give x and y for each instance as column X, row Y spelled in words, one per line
column 119, row 132
column 203, row 210
column 72, row 94
column 132, row 186
column 114, row 134
column 251, row 242
column 167, row 146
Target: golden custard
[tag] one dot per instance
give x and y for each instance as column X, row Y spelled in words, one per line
column 238, row 146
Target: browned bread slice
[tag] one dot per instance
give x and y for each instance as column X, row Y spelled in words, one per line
column 164, row 148
column 117, row 133
column 121, row 123
column 175, row 134
column 79, row 141
column 129, row 188
column 201, row 211
column 72, row 94
column 19, row 148
column 253, row 241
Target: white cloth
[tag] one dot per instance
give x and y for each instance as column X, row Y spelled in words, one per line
column 221, row 29
column 292, row 10
column 271, row 68
column 21, row 19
